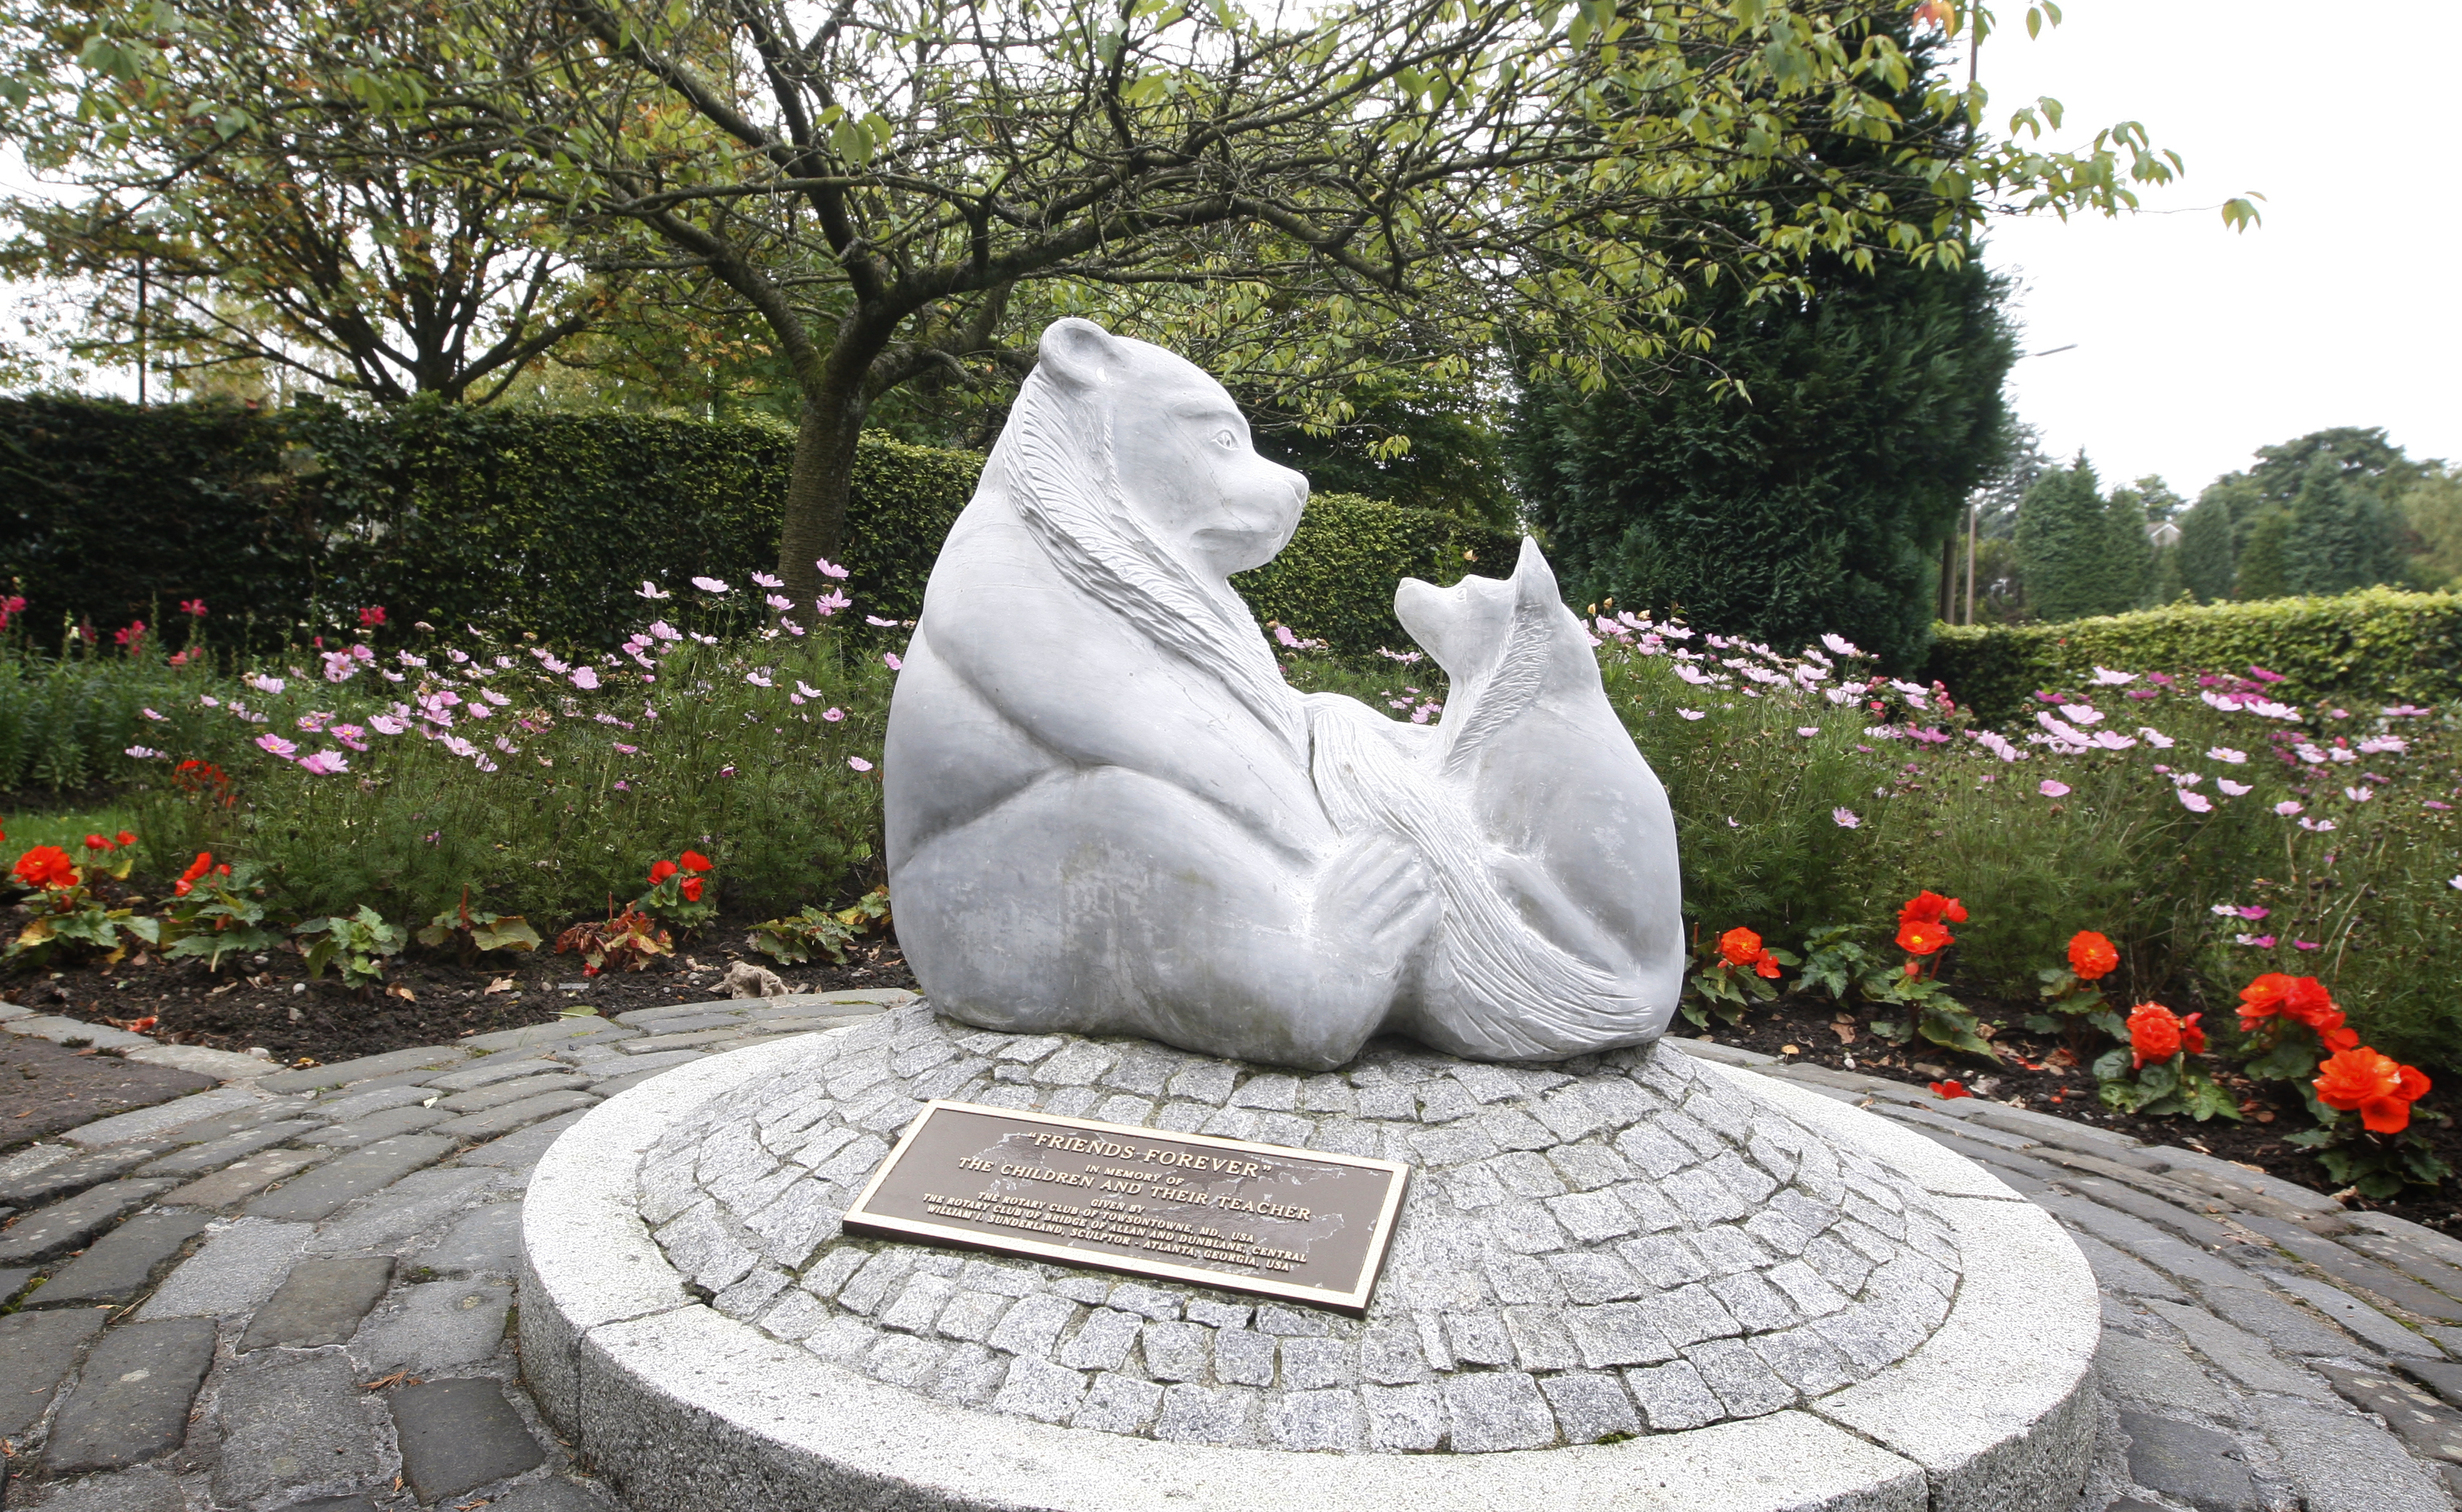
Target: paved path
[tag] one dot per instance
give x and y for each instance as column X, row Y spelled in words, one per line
column 291, row 1289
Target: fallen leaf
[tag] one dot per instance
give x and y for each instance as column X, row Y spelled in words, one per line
column 1790, row 1050
column 404, row 993
column 500, row 984
column 1846, row 1033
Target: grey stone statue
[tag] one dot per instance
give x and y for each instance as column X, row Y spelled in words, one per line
column 1108, row 812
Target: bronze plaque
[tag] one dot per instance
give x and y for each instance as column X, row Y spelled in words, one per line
column 1253, row 1218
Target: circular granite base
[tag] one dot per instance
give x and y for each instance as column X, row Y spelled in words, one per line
column 1630, row 1279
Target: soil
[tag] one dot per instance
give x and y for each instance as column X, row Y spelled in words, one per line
column 266, row 1000
column 2038, row 1074
column 46, row 1088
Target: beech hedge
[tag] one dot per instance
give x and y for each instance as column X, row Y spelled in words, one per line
column 2374, row 644
column 287, row 523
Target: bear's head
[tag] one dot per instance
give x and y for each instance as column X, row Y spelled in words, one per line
column 1175, row 447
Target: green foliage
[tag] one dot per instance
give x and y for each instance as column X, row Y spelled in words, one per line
column 2130, row 553
column 224, row 914
column 1803, row 484
column 2264, row 564
column 2205, row 555
column 1335, row 580
column 2069, row 549
column 2377, row 645
column 361, row 942
column 794, row 939
column 2341, row 536
column 473, row 933
column 2165, row 1088
column 2432, row 511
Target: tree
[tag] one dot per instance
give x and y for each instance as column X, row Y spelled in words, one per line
column 880, row 183
column 2064, row 547
column 238, row 201
column 1815, row 494
column 2341, row 536
column 2432, row 510
column 2205, row 555
column 2130, row 553
column 2261, row 573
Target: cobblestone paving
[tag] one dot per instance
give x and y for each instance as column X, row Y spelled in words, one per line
column 1622, row 1243
column 293, row 1291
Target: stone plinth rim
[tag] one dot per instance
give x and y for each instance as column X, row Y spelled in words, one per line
column 630, row 1363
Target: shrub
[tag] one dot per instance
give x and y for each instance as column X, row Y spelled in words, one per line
column 2375, row 645
column 1335, row 581
column 287, row 523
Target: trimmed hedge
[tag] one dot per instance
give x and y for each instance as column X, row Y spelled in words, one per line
column 1335, row 580
column 288, row 522
column 2376, row 643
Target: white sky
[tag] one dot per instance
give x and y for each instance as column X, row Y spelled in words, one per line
column 2197, row 345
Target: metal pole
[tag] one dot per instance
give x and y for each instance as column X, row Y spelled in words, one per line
column 141, row 329
column 1971, row 513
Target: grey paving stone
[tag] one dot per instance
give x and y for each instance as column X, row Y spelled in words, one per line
column 236, row 1271
column 2380, row 1330
column 581, row 1027
column 66, row 1174
column 61, row 1029
column 458, row 1436
column 1039, row 1390
column 2124, row 1274
column 12, row 1281
column 2398, row 1252
column 1197, row 1415
column 324, row 1189
column 344, row 1073
column 145, row 1489
column 321, row 1302
column 2431, row 1429
column 492, row 1070
column 420, row 1200
column 49, row 1232
column 519, row 1152
column 1590, row 1406
column 1672, row 1398
column 1493, row 1410
column 2286, row 1327
column 2198, row 1466
column 549, row 1495
column 1120, row 1404
column 121, row 1264
column 487, row 1239
column 521, row 1114
column 2239, row 1355
column 2156, row 1373
column 2340, row 1462
column 131, row 1402
column 287, row 1424
column 37, row 1350
column 481, row 1099
column 2354, row 1270
column 436, row 1324
column 212, row 1156
column 360, row 1132
column 348, row 1107
column 163, row 1119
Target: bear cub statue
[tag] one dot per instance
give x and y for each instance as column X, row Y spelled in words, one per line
column 1109, row 814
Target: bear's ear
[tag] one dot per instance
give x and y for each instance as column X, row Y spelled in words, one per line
column 1078, row 352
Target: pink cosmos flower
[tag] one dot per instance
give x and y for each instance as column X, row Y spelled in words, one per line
column 2050, row 789
column 830, row 569
column 858, row 763
column 2317, row 826
column 2255, row 941
column 324, row 763
column 2224, row 753
column 584, row 678
column 142, row 753
column 629, row 751
column 777, row 602
column 266, row 684
column 831, row 602
column 833, row 715
column 1807, row 732
column 878, row 623
column 2286, row 807
column 651, row 589
column 276, row 745
column 2194, row 802
column 764, row 580
column 151, row 715
column 759, row 679
column 891, row 658
column 2358, row 795
column 710, row 585
column 1690, row 714
column 1844, row 818
column 2235, row 788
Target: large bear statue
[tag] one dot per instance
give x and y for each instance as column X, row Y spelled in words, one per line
column 1109, row 814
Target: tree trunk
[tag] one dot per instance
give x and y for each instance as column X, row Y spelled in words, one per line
column 813, row 523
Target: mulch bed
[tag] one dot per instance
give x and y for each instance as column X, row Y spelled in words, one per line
column 268, row 1001
column 1812, row 1030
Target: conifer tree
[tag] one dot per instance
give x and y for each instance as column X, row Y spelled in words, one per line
column 2206, row 558
column 2341, row 536
column 2064, row 543
column 2130, row 582
column 2260, row 574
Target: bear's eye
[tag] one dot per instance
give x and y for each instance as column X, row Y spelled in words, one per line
column 1225, row 439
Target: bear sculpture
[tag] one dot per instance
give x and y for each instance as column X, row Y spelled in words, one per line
column 1109, row 814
